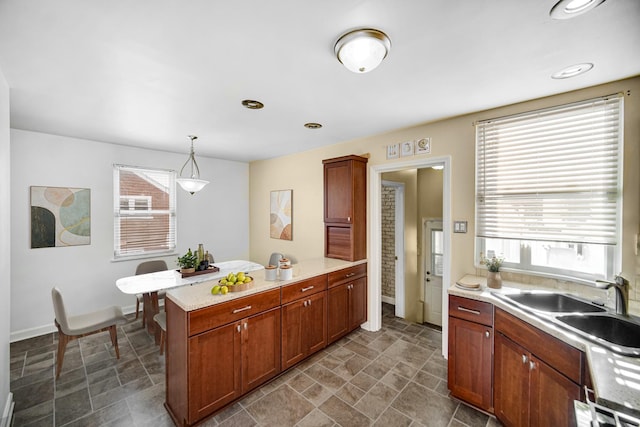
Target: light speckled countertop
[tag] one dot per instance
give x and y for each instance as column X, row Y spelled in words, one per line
column 199, row 295
column 616, row 378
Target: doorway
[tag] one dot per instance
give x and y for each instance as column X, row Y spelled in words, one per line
column 392, row 229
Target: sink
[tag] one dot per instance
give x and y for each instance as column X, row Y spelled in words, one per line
column 554, row 302
column 608, row 328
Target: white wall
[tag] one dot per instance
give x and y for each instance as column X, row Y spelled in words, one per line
column 217, row 216
column 5, row 245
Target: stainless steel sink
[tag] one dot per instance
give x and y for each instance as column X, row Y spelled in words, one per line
column 554, row 302
column 606, row 327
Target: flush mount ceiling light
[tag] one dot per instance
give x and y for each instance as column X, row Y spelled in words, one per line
column 193, row 184
column 252, row 105
column 572, row 71
column 567, row 9
column 362, row 50
column 312, row 125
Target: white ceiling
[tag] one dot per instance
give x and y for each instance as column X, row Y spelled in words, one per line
column 149, row 72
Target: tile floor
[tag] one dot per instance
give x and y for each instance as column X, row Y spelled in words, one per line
column 393, row 377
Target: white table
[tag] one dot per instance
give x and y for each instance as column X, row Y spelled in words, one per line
column 149, row 284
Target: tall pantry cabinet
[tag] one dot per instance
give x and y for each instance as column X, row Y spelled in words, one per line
column 345, row 207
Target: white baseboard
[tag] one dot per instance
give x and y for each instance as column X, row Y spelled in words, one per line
column 388, row 300
column 7, row 414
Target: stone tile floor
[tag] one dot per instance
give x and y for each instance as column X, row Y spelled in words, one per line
column 393, row 377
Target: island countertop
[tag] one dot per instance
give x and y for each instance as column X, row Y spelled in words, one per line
column 198, row 295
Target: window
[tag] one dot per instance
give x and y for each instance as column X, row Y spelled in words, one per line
column 548, row 189
column 144, row 212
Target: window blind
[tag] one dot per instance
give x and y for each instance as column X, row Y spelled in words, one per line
column 552, row 174
column 144, row 211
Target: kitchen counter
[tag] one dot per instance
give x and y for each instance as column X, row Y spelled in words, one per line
column 198, row 295
column 616, row 378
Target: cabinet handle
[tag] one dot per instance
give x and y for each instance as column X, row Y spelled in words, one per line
column 238, row 310
column 532, row 365
column 304, row 303
column 246, row 325
column 468, row 310
column 348, row 219
column 349, row 275
column 524, row 358
column 238, row 328
column 487, row 334
column 308, row 288
column 309, row 301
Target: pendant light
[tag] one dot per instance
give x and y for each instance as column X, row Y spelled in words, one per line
column 193, row 183
column 362, row 50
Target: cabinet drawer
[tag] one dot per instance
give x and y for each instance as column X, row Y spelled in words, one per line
column 227, row 312
column 303, row 289
column 559, row 355
column 472, row 310
column 346, row 274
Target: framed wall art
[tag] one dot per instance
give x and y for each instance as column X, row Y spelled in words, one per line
column 281, row 218
column 60, row 216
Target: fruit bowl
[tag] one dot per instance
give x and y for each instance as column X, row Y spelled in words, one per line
column 233, row 283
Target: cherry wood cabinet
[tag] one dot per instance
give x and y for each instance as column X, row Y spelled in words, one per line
column 345, row 207
column 346, row 301
column 537, row 377
column 470, row 358
column 304, row 320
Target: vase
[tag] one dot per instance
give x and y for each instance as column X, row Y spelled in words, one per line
column 494, row 280
column 188, row 270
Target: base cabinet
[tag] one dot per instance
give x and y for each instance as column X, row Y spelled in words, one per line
column 470, row 361
column 346, row 305
column 529, row 391
column 304, row 328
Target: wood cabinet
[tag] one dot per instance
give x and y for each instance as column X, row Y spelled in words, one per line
column 216, row 354
column 304, row 320
column 346, row 301
column 345, row 207
column 470, row 361
column 537, row 377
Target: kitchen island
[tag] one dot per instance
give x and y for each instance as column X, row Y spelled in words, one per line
column 220, row 347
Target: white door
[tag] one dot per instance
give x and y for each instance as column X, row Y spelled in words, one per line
column 433, row 270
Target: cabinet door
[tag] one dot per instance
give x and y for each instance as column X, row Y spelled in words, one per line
column 511, row 382
column 260, row 348
column 214, row 369
column 338, row 195
column 337, row 312
column 552, row 396
column 357, row 303
column 293, row 349
column 315, row 323
column 470, row 365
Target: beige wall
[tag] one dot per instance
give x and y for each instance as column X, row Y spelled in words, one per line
column 452, row 137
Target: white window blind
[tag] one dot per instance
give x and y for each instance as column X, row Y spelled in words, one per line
column 552, row 174
column 144, row 211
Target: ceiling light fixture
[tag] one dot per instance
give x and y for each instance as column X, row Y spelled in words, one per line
column 572, row 71
column 567, row 9
column 312, row 125
column 193, row 184
column 362, row 50
column 252, row 105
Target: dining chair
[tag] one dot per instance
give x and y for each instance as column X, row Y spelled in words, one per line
column 145, row 268
column 77, row 326
column 161, row 320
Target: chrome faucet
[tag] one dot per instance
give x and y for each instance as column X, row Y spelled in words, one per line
column 621, row 286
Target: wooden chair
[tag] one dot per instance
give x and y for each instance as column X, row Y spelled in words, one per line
column 145, row 268
column 73, row 327
column 161, row 320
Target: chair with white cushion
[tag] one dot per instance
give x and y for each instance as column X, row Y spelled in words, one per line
column 73, row 327
column 145, row 268
column 161, row 320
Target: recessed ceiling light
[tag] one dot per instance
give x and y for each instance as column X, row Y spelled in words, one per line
column 252, row 105
column 567, row 9
column 312, row 125
column 572, row 71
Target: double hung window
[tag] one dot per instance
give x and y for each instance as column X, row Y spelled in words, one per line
column 548, row 189
column 144, row 212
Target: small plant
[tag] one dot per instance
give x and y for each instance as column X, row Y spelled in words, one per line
column 493, row 264
column 188, row 260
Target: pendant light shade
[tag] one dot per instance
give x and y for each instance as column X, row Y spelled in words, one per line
column 362, row 50
column 193, row 183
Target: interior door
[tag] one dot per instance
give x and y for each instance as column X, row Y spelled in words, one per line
column 433, row 271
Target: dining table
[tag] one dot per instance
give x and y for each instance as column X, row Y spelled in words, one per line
column 151, row 283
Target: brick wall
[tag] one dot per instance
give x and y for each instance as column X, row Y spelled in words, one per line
column 388, row 241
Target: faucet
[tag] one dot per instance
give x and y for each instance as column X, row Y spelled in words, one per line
column 621, row 285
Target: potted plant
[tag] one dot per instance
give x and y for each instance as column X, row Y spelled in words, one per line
column 187, row 262
column 493, row 266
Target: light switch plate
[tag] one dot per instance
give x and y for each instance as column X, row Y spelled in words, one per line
column 459, row 226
